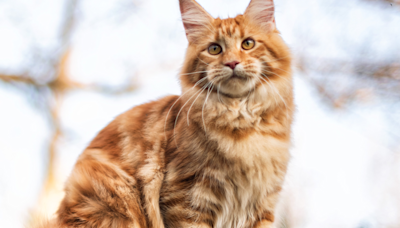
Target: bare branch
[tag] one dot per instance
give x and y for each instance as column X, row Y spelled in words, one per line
column 341, row 82
column 387, row 2
column 12, row 78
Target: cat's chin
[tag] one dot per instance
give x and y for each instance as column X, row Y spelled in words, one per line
column 233, row 92
column 236, row 86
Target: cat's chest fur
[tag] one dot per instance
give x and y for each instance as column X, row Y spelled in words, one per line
column 255, row 168
column 247, row 181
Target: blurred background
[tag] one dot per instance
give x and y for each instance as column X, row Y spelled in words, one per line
column 68, row 67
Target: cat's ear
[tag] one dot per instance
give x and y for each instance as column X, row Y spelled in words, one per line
column 195, row 19
column 262, row 12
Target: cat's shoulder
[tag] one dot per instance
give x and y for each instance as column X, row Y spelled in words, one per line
column 152, row 107
column 135, row 120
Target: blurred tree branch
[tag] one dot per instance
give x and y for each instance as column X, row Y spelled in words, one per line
column 388, row 2
column 340, row 83
column 12, row 79
column 52, row 84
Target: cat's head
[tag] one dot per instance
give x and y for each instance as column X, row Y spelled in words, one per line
column 236, row 56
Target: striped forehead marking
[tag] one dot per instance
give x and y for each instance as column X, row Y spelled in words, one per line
column 230, row 28
column 229, row 31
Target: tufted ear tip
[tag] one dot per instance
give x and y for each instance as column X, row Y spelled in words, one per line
column 194, row 18
column 262, row 12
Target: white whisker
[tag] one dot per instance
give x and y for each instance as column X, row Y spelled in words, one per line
column 283, row 70
column 177, row 117
column 206, row 71
column 187, row 116
column 274, row 60
column 262, row 84
column 166, row 118
column 203, row 61
column 266, row 71
column 219, row 98
column 276, row 90
column 202, row 110
column 265, row 88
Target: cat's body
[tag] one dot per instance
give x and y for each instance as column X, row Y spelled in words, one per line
column 215, row 156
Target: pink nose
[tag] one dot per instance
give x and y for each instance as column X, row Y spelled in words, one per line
column 232, row 64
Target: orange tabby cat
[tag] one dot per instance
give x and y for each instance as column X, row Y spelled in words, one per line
column 214, row 157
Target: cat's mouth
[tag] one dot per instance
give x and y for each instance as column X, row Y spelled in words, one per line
column 236, row 76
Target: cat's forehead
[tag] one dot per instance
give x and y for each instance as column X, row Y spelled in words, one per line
column 234, row 28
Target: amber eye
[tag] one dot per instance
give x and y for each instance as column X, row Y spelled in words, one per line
column 214, row 49
column 248, row 44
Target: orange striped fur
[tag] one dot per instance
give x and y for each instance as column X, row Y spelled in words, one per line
column 216, row 156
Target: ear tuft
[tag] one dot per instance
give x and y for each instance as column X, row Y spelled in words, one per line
column 195, row 19
column 262, row 13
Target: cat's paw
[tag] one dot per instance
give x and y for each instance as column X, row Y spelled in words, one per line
column 264, row 224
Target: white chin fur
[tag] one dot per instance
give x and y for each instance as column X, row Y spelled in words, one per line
column 236, row 86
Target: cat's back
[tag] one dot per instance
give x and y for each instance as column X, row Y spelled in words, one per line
column 133, row 132
column 117, row 166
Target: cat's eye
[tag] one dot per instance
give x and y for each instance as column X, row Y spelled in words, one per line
column 214, row 49
column 248, row 44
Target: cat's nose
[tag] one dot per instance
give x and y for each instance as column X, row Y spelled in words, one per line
column 232, row 64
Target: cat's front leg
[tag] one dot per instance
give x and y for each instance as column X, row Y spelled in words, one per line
column 265, row 221
column 192, row 225
column 264, row 224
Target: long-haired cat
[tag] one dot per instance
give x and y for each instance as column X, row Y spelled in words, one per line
column 216, row 156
